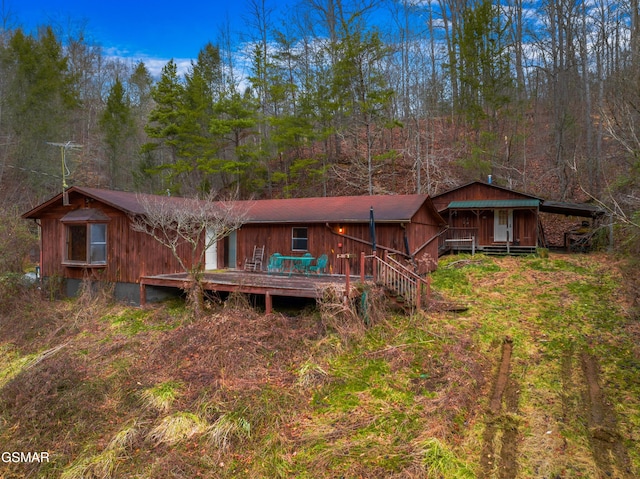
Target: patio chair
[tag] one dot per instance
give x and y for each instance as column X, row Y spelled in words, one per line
column 276, row 263
column 320, row 265
column 304, row 263
column 255, row 262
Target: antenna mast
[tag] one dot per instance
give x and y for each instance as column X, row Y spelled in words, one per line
column 69, row 145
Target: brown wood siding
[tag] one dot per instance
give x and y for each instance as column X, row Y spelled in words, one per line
column 475, row 192
column 129, row 254
column 524, row 225
column 525, row 229
column 323, row 239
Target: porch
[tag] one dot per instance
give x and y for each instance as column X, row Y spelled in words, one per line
column 261, row 283
column 384, row 271
column 466, row 240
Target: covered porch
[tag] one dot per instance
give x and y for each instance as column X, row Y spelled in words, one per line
column 491, row 226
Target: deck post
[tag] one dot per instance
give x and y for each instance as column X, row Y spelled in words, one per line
column 143, row 294
column 348, row 285
column 362, row 266
column 268, row 303
column 374, row 266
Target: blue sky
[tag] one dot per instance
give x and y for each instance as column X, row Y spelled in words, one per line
column 139, row 29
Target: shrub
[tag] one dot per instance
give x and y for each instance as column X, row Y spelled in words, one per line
column 16, row 242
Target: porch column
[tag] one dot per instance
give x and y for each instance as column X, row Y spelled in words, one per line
column 143, row 294
column 268, row 303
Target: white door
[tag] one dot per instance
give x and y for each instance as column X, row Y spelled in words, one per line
column 211, row 255
column 503, row 225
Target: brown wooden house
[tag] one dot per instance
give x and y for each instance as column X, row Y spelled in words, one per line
column 86, row 233
column 405, row 225
column 487, row 217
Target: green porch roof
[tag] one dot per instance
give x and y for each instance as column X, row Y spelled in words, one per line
column 487, row 204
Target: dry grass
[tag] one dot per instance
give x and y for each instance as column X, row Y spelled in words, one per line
column 176, row 428
column 236, row 394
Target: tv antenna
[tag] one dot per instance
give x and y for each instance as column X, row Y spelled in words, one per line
column 69, row 145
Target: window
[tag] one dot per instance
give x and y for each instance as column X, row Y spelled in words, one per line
column 85, row 237
column 86, row 244
column 299, row 239
column 503, row 217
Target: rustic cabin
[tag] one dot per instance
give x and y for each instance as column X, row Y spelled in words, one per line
column 86, row 234
column 486, row 217
column 492, row 219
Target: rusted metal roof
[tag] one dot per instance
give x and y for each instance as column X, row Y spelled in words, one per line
column 85, row 215
column 345, row 209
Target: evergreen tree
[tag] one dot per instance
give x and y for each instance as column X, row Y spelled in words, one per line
column 164, row 126
column 40, row 95
column 234, row 162
column 117, row 125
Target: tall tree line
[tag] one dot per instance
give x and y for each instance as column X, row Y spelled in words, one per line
column 357, row 97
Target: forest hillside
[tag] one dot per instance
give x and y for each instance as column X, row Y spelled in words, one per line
column 337, row 98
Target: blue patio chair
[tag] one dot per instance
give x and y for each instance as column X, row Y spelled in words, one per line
column 304, row 263
column 320, row 265
column 276, row 263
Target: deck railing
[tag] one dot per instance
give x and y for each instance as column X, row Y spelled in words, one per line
column 457, row 239
column 399, row 279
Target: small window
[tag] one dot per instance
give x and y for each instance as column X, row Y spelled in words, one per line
column 86, row 244
column 299, row 239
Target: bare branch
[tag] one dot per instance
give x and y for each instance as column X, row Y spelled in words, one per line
column 198, row 224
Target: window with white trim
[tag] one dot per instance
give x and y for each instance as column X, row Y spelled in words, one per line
column 86, row 244
column 85, row 231
column 299, row 239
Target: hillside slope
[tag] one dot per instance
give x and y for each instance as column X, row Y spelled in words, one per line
column 539, row 377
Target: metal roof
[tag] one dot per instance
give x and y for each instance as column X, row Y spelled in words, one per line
column 477, row 204
column 343, row 209
column 584, row 210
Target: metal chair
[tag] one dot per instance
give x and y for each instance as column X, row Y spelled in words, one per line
column 320, row 265
column 303, row 265
column 276, row 263
column 255, row 262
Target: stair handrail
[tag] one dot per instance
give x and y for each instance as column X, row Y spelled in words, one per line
column 397, row 277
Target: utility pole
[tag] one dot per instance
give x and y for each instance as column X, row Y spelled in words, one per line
column 69, row 145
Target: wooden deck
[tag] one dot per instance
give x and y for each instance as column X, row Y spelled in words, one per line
column 301, row 286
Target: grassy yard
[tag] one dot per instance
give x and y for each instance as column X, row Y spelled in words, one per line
column 538, row 377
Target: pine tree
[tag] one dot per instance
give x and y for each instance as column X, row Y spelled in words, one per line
column 163, row 126
column 117, row 125
column 40, row 95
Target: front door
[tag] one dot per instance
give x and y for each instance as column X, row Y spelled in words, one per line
column 232, row 245
column 211, row 254
column 503, row 225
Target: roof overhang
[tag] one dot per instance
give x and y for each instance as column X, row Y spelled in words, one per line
column 583, row 210
column 493, row 204
column 85, row 215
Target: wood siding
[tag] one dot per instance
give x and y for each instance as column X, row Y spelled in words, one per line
column 475, row 192
column 525, row 220
column 325, row 239
column 129, row 254
column 524, row 225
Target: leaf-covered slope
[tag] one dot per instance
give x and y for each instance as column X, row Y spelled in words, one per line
column 537, row 378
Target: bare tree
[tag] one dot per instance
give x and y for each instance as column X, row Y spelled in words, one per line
column 188, row 227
